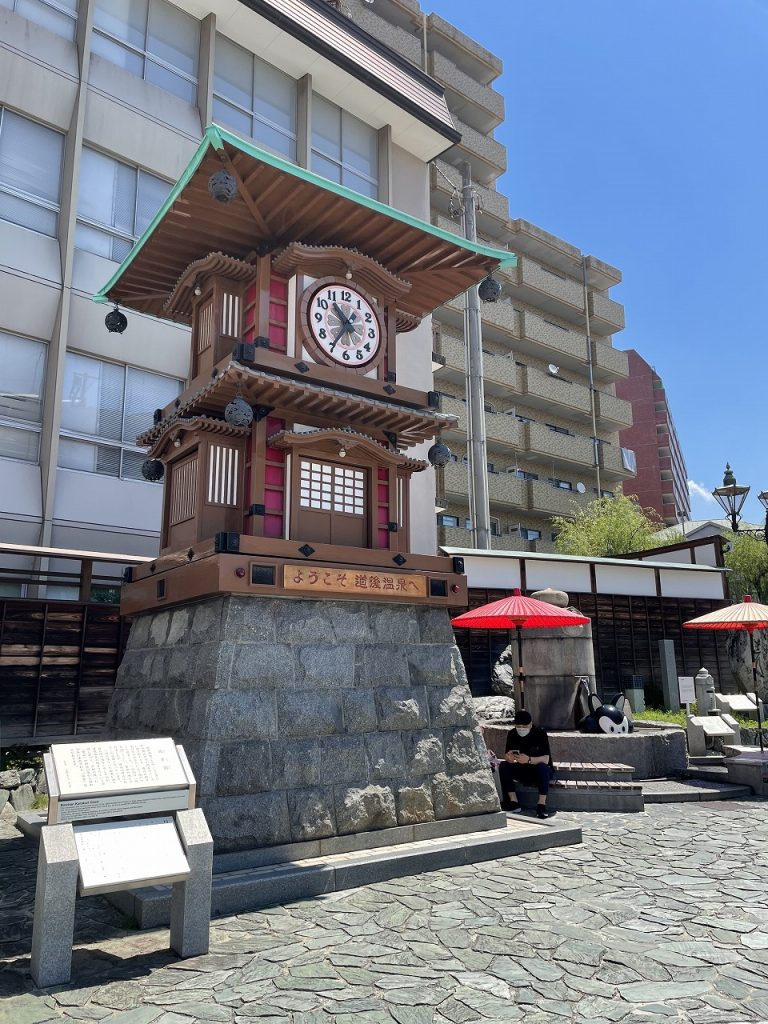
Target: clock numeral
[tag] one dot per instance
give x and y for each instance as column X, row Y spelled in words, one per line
column 367, row 347
column 331, row 295
column 358, row 354
column 371, row 332
column 346, row 296
column 319, row 317
column 321, row 333
column 359, row 306
column 322, row 303
column 368, row 318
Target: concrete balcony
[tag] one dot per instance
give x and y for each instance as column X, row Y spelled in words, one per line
column 605, row 315
column 530, row 240
column 474, row 103
column 500, row 373
column 408, row 44
column 609, row 363
column 544, row 390
column 556, row 448
column 462, row 50
column 501, row 321
column 502, row 431
column 612, row 411
column 504, row 490
column 555, row 344
column 487, row 157
column 554, row 501
column 611, row 464
column 546, row 290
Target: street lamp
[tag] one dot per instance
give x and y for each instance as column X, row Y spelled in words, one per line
column 731, row 497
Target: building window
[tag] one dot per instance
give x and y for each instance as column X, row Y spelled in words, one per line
column 115, row 206
column 104, row 407
column 30, row 173
column 152, row 39
column 59, row 16
column 527, row 534
column 331, row 488
column 628, row 460
column 523, row 474
column 564, row 485
column 344, row 149
column 21, row 396
column 559, row 430
column 524, row 419
column 254, row 98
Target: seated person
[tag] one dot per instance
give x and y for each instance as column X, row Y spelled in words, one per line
column 527, row 760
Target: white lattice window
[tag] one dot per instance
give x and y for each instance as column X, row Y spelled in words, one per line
column 332, row 488
column 222, row 475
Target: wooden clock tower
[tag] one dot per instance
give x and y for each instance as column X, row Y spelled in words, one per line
column 285, row 461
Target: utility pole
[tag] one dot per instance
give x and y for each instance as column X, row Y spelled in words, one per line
column 590, row 365
column 475, row 389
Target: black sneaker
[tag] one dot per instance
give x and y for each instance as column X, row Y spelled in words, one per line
column 511, row 807
column 541, row 811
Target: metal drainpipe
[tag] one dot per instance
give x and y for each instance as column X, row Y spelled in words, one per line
column 475, row 391
column 590, row 366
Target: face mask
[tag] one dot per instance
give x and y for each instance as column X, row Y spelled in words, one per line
column 523, row 730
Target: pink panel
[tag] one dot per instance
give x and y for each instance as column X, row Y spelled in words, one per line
column 278, row 287
column 273, row 526
column 278, row 338
column 274, row 475
column 274, row 500
column 382, row 514
column 383, row 538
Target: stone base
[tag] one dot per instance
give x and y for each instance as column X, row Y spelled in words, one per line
column 308, row 719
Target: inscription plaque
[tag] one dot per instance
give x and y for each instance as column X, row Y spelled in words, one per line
column 336, row 581
column 122, row 766
column 119, row 855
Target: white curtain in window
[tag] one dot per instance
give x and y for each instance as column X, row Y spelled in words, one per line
column 173, row 36
column 326, row 127
column 92, row 397
column 22, row 373
column 47, row 15
column 152, row 193
column 123, row 19
column 30, row 163
column 145, row 392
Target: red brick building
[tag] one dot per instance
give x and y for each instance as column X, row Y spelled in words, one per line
column 662, row 478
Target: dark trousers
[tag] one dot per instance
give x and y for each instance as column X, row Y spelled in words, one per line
column 537, row 775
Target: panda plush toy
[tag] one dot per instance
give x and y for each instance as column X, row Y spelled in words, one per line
column 606, row 718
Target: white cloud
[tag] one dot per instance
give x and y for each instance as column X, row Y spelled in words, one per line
column 700, row 491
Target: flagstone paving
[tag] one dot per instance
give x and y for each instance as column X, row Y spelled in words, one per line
column 658, row 917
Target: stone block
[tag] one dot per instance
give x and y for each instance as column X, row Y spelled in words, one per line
column 203, row 757
column 350, row 622
column 386, row 757
column 305, row 713
column 311, row 814
column 431, row 665
column 54, row 918
column 359, row 709
column 394, row 621
column 424, row 752
column 244, row 767
column 158, row 629
column 205, row 622
column 262, row 665
column 250, row 621
column 382, row 665
column 296, row 763
column 234, row 715
column 401, row 708
column 435, row 626
column 360, row 808
column 450, row 705
column 461, row 753
column 325, row 666
column 42, row 782
column 457, row 795
column 242, row 822
column 342, row 759
column 212, row 668
column 4, row 794
column 27, row 776
column 191, row 900
column 139, row 633
column 178, row 627
column 414, row 804
column 10, row 779
column 22, row 798
column 157, row 710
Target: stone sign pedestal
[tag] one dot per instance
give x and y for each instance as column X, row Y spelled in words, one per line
column 308, row 719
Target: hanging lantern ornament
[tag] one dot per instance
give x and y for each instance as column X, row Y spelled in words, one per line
column 222, row 186
column 439, row 454
column 152, row 470
column 490, row 289
column 238, row 413
column 115, row 321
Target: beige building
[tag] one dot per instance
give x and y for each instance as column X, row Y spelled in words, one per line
column 542, row 456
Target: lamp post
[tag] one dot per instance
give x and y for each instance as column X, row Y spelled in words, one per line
column 731, row 497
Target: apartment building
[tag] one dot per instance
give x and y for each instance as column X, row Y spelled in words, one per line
column 102, row 105
column 552, row 438
column 662, row 478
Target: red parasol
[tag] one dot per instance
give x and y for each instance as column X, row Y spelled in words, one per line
column 521, row 613
column 748, row 616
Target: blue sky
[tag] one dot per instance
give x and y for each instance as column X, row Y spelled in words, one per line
column 636, row 130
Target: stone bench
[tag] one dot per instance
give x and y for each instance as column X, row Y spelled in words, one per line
column 585, row 795
column 591, row 771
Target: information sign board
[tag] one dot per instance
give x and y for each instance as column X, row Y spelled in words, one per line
column 121, row 766
column 687, row 689
column 115, row 855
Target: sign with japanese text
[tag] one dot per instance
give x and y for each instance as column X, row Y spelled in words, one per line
column 122, row 766
column 348, row 581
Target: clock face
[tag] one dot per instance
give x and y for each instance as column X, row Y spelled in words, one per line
column 344, row 324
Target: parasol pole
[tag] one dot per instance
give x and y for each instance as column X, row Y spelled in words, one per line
column 757, row 695
column 520, row 672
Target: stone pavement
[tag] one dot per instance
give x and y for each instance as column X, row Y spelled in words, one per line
column 657, row 917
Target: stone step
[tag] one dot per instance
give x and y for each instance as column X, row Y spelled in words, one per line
column 235, row 892
column 709, row 760
column 594, row 771
column 663, row 791
column 584, row 795
column 716, row 773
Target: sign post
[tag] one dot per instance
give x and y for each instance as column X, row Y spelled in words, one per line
column 687, row 689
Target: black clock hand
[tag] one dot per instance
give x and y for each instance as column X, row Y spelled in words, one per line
column 341, row 316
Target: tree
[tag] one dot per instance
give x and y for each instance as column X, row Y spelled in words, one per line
column 748, row 562
column 609, row 526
